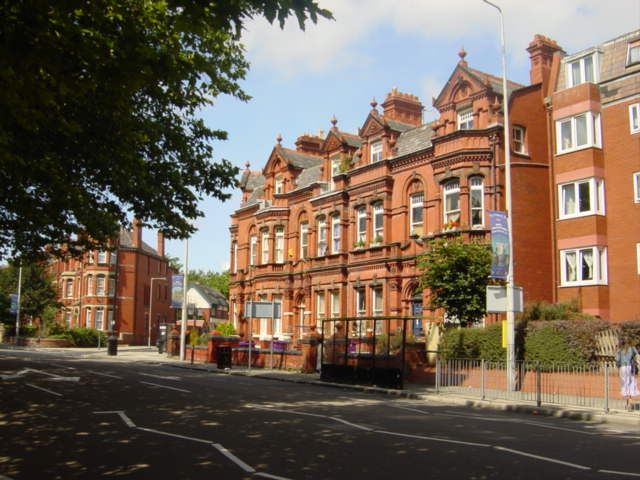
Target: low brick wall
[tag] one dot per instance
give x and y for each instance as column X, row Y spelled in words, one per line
column 288, row 359
column 45, row 342
column 198, row 353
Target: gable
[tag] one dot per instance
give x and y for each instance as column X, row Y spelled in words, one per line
column 461, row 86
column 332, row 142
column 372, row 126
column 275, row 163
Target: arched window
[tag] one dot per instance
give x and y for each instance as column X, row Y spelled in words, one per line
column 304, row 240
column 416, row 214
column 265, row 247
column 253, row 252
column 322, row 236
column 476, row 202
column 452, row 204
column 279, row 246
column 335, row 233
column 378, row 223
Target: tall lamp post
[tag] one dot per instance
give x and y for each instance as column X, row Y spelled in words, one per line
column 18, row 306
column 511, row 350
column 151, row 308
column 185, row 285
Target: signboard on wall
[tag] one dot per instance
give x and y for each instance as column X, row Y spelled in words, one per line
column 262, row 309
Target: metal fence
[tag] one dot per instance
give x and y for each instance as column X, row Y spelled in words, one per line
column 593, row 385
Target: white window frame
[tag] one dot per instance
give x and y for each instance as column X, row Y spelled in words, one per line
column 304, row 240
column 253, row 249
column 265, row 248
column 451, row 188
column 68, row 292
column 113, row 255
column 335, row 303
column 89, row 284
column 99, row 318
column 279, row 245
column 416, row 204
column 277, row 321
column 634, row 118
column 636, row 187
column 377, row 302
column 376, row 151
column 320, row 305
column 336, row 232
column 235, row 257
column 518, row 139
column 100, row 285
column 579, row 255
column 572, row 81
column 596, row 198
column 361, row 301
column 90, row 258
column 87, row 318
column 465, row 119
column 322, row 246
column 279, row 185
column 102, row 257
column 593, row 132
column 633, row 48
column 378, row 223
column 476, row 189
column 361, row 224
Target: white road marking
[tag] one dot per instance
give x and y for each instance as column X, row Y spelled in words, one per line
column 121, row 414
column 539, row 457
column 436, row 439
column 104, row 374
column 233, row 458
column 614, row 472
column 44, row 389
column 64, row 379
column 162, row 377
column 166, row 386
column 184, row 437
column 268, row 475
column 14, row 375
column 336, row 419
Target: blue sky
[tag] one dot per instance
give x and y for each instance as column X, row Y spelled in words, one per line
column 299, row 80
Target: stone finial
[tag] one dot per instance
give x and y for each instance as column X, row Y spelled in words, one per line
column 373, row 104
column 334, row 121
column 462, row 54
column 279, row 138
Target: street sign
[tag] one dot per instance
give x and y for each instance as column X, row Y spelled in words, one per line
column 497, row 299
column 262, row 309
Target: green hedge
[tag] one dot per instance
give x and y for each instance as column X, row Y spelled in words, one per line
column 473, row 343
column 82, row 337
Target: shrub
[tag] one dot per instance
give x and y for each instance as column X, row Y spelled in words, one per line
column 84, row 337
column 459, row 342
column 631, row 329
column 226, row 329
column 541, row 310
column 490, row 342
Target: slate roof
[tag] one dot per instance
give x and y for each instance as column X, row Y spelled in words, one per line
column 414, row 140
column 300, row 160
column 308, row 176
column 211, row 295
column 495, row 82
column 127, row 241
column 399, row 126
column 255, row 197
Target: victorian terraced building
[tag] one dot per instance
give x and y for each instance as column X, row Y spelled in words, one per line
column 332, row 227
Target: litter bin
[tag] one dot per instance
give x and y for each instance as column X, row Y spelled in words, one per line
column 112, row 344
column 223, row 356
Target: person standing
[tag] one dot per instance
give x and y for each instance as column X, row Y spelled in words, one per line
column 627, row 369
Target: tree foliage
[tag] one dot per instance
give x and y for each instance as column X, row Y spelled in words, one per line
column 100, row 104
column 219, row 281
column 38, row 293
column 456, row 274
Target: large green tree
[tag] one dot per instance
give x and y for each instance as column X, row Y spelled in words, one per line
column 100, row 103
column 217, row 280
column 456, row 274
column 37, row 294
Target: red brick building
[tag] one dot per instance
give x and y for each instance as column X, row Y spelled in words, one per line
column 332, row 228
column 107, row 289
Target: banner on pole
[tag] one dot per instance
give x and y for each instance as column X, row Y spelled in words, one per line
column 177, row 287
column 500, row 247
column 13, row 309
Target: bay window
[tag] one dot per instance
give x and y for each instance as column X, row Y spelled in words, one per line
column 322, row 237
column 265, row 247
column 582, row 197
column 476, row 202
column 579, row 131
column 100, row 285
column 583, row 266
column 452, row 204
column 279, row 247
column 99, row 320
column 582, row 70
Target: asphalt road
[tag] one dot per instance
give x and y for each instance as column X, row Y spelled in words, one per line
column 62, row 418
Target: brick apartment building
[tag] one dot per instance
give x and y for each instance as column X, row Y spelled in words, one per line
column 332, row 228
column 107, row 289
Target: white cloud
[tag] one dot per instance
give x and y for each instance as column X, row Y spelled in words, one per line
column 331, row 45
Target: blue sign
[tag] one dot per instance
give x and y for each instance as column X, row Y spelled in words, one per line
column 499, row 244
column 13, row 309
column 177, row 289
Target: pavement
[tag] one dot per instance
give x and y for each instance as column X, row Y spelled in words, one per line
column 142, row 354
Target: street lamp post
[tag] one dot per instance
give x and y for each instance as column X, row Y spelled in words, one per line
column 183, row 325
column 18, row 306
column 151, row 308
column 511, row 351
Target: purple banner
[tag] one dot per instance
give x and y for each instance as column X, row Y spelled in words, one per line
column 499, row 244
column 177, row 286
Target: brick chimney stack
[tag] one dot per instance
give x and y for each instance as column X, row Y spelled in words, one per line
column 403, row 107
column 309, row 144
column 136, row 236
column 160, row 244
column 541, row 51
